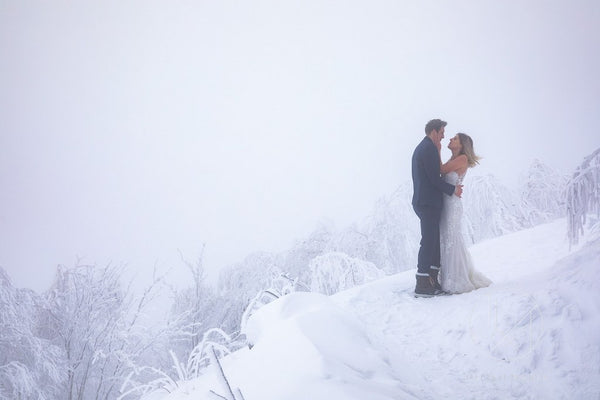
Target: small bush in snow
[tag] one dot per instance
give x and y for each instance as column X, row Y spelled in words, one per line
column 333, row 272
column 280, row 286
column 583, row 195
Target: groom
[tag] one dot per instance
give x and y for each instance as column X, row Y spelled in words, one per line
column 428, row 187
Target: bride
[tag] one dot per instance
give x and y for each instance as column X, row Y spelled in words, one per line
column 457, row 274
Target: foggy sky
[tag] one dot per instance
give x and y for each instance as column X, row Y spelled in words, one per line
column 132, row 131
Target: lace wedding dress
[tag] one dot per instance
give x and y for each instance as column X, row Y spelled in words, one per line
column 457, row 274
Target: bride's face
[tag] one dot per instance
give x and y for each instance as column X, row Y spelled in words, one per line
column 455, row 143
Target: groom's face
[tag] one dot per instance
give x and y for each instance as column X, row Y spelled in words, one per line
column 439, row 135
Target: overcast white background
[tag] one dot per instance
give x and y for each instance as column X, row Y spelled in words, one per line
column 132, row 129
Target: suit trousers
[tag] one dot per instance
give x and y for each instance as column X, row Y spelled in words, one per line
column 429, row 252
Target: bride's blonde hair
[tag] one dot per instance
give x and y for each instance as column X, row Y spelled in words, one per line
column 467, row 149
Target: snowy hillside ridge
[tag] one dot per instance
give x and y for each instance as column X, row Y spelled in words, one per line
column 90, row 334
column 535, row 333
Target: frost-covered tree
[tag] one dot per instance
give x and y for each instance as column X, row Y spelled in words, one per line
column 195, row 310
column 542, row 192
column 77, row 341
column 583, row 195
column 239, row 283
column 30, row 366
column 197, row 324
column 491, row 209
column 333, row 272
column 86, row 304
column 252, row 274
column 353, row 240
column 93, row 319
column 297, row 258
column 392, row 232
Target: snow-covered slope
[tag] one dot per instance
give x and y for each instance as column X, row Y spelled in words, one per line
column 533, row 334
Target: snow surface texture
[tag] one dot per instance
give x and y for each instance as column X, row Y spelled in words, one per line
column 533, row 334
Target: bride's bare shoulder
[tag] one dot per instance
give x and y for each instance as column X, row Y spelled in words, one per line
column 459, row 163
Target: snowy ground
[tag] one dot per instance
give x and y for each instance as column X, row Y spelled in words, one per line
column 533, row 334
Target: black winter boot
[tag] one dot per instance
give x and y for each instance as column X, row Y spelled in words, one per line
column 424, row 287
column 433, row 274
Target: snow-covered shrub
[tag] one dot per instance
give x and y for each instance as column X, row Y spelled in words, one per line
column 297, row 258
column 353, row 240
column 583, row 195
column 491, row 209
column 214, row 344
column 239, row 284
column 251, row 275
column 542, row 190
column 86, row 304
column 94, row 321
column 392, row 232
column 30, row 366
column 280, row 286
column 333, row 272
column 195, row 309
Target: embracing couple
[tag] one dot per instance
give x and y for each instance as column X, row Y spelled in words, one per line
column 446, row 267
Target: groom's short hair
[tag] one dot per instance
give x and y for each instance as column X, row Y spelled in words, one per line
column 434, row 125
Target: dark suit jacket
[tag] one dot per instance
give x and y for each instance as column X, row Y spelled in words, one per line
column 428, row 184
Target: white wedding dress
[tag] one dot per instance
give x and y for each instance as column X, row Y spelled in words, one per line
column 457, row 273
